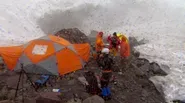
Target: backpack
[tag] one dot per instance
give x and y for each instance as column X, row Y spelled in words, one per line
column 107, row 62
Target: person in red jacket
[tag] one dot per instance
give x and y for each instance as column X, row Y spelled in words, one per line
column 114, row 43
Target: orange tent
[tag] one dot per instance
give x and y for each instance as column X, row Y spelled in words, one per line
column 50, row 55
column 11, row 55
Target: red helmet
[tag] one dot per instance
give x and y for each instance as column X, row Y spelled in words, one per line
column 101, row 33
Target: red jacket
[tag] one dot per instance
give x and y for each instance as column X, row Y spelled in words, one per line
column 109, row 39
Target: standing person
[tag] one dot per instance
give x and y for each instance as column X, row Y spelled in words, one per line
column 99, row 46
column 107, row 64
column 124, row 52
column 99, row 42
column 114, row 43
column 124, row 48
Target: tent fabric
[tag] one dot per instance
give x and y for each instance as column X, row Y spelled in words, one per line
column 49, row 55
column 59, row 40
column 11, row 55
column 83, row 50
column 69, row 63
column 34, row 57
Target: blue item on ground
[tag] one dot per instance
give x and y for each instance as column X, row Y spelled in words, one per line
column 43, row 79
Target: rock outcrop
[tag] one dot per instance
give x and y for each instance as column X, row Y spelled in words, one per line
column 73, row 35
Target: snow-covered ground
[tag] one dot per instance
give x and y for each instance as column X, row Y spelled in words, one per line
column 159, row 21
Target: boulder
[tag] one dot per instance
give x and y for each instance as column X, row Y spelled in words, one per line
column 84, row 95
column 141, row 61
column 4, row 91
column 145, row 67
column 73, row 35
column 29, row 100
column 6, row 101
column 83, row 80
column 94, row 99
column 12, row 82
column 166, row 68
column 133, row 42
column 92, row 36
column 157, row 69
column 74, row 101
column 136, row 54
column 11, row 94
column 158, row 81
column 48, row 97
column 71, row 82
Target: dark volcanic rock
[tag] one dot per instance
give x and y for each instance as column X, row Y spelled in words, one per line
column 94, row 99
column 157, row 69
column 48, row 97
column 134, row 83
column 6, row 101
column 134, row 42
column 73, row 35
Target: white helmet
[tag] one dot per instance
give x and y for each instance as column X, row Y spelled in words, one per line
column 105, row 50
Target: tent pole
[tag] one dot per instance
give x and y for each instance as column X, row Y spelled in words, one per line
column 18, row 84
column 30, row 80
column 22, row 87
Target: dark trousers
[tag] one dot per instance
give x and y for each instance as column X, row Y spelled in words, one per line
column 105, row 79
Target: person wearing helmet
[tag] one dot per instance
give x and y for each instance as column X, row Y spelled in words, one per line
column 107, row 64
column 113, row 43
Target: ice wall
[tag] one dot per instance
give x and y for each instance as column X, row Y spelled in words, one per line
column 159, row 21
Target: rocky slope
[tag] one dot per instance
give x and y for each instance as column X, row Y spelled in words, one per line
column 132, row 81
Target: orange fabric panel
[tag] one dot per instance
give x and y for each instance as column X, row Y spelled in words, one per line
column 83, row 50
column 35, row 58
column 99, row 43
column 124, row 49
column 59, row 40
column 11, row 55
column 68, row 61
